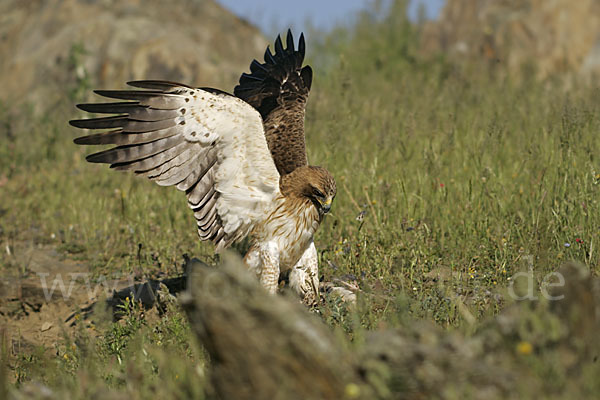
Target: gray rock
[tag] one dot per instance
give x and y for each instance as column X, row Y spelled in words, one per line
column 52, row 52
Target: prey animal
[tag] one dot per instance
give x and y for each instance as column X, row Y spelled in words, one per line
column 240, row 159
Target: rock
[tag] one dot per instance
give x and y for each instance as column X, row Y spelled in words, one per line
column 262, row 346
column 559, row 36
column 52, row 52
column 46, row 326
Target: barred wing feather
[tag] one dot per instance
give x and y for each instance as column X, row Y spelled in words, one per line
column 205, row 142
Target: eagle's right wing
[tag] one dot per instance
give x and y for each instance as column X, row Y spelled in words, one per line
column 278, row 89
column 207, row 143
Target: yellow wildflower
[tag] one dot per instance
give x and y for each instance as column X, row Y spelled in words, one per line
column 524, row 348
column 352, row 390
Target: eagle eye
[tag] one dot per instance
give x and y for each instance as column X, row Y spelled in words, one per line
column 318, row 193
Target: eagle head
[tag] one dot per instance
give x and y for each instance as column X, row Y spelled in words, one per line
column 313, row 183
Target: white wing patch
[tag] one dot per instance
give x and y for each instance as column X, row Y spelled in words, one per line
column 246, row 177
column 205, row 142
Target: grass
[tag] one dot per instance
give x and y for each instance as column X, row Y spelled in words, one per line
column 463, row 179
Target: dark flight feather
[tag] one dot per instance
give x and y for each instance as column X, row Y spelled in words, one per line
column 149, row 138
column 278, row 89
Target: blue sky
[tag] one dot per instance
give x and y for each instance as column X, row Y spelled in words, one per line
column 276, row 16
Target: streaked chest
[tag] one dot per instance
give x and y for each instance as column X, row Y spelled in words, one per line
column 291, row 225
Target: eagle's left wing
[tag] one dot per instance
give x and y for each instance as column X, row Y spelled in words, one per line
column 205, row 142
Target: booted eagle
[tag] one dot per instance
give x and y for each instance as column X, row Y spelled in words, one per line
column 240, row 159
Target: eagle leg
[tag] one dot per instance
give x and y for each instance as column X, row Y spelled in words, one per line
column 269, row 267
column 304, row 277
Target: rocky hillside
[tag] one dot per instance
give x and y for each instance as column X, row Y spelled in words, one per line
column 53, row 51
column 557, row 36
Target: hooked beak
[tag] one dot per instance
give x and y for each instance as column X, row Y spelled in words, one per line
column 326, row 205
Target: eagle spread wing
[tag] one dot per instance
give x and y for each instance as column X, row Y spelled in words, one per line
column 207, row 143
column 278, row 89
column 240, row 160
